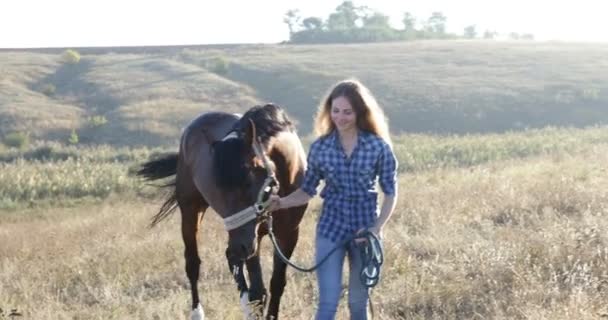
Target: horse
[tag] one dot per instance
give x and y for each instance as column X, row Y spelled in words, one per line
column 227, row 162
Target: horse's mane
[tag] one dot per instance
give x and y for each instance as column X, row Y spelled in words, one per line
column 230, row 169
column 269, row 120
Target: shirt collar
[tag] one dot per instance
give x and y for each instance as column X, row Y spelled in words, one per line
column 362, row 139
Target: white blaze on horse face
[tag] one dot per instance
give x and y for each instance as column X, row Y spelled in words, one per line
column 198, row 313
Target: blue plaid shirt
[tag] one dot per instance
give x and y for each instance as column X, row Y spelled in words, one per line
column 350, row 196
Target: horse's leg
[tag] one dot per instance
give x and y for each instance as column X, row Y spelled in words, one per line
column 192, row 214
column 287, row 242
column 236, row 269
column 257, row 290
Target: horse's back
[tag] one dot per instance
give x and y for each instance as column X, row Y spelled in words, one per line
column 195, row 157
column 210, row 126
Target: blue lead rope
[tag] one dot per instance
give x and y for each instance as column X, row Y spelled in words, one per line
column 372, row 255
column 372, row 258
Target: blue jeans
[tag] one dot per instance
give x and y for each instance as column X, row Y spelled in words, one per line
column 329, row 277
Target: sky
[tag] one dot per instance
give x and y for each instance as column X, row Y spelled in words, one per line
column 84, row 23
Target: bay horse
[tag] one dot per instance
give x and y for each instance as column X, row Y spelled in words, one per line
column 218, row 166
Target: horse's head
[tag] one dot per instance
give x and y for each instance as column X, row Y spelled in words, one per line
column 242, row 172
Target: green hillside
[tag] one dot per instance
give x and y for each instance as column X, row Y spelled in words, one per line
column 144, row 96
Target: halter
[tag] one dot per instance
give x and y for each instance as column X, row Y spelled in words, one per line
column 258, row 209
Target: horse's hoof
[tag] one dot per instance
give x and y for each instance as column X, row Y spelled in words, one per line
column 252, row 310
column 245, row 305
column 198, row 313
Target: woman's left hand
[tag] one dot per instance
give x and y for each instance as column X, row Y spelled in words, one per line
column 375, row 230
column 275, row 203
column 360, row 240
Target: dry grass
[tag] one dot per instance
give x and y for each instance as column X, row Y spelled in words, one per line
column 52, row 173
column 126, row 89
column 425, row 86
column 514, row 239
column 440, row 86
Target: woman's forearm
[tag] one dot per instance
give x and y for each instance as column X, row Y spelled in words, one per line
column 388, row 206
column 294, row 199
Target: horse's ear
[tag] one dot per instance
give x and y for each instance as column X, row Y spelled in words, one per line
column 249, row 133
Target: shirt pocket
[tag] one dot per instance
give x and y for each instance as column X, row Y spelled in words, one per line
column 330, row 174
column 366, row 176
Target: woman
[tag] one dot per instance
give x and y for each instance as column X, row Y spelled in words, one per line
column 352, row 151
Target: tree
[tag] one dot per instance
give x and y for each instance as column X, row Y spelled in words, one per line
column 376, row 20
column 345, row 17
column 292, row 18
column 436, row 24
column 490, row 34
column 527, row 36
column 73, row 137
column 312, row 23
column 48, row 89
column 70, row 56
column 218, row 65
column 356, row 24
column 409, row 22
column 18, row 140
column 470, row 32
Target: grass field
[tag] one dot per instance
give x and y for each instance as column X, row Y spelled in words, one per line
column 54, row 173
column 501, row 226
column 503, row 152
column 147, row 95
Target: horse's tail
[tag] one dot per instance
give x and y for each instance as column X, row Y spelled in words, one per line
column 161, row 168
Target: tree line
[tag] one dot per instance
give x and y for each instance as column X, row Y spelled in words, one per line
column 354, row 24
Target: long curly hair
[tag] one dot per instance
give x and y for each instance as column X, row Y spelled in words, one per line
column 370, row 117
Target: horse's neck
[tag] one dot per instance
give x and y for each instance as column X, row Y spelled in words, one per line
column 290, row 148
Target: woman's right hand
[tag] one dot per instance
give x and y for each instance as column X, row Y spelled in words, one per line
column 275, row 203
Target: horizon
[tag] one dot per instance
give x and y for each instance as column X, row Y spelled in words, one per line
column 114, row 23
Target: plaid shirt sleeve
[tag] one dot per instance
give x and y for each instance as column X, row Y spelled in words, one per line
column 387, row 170
column 313, row 174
